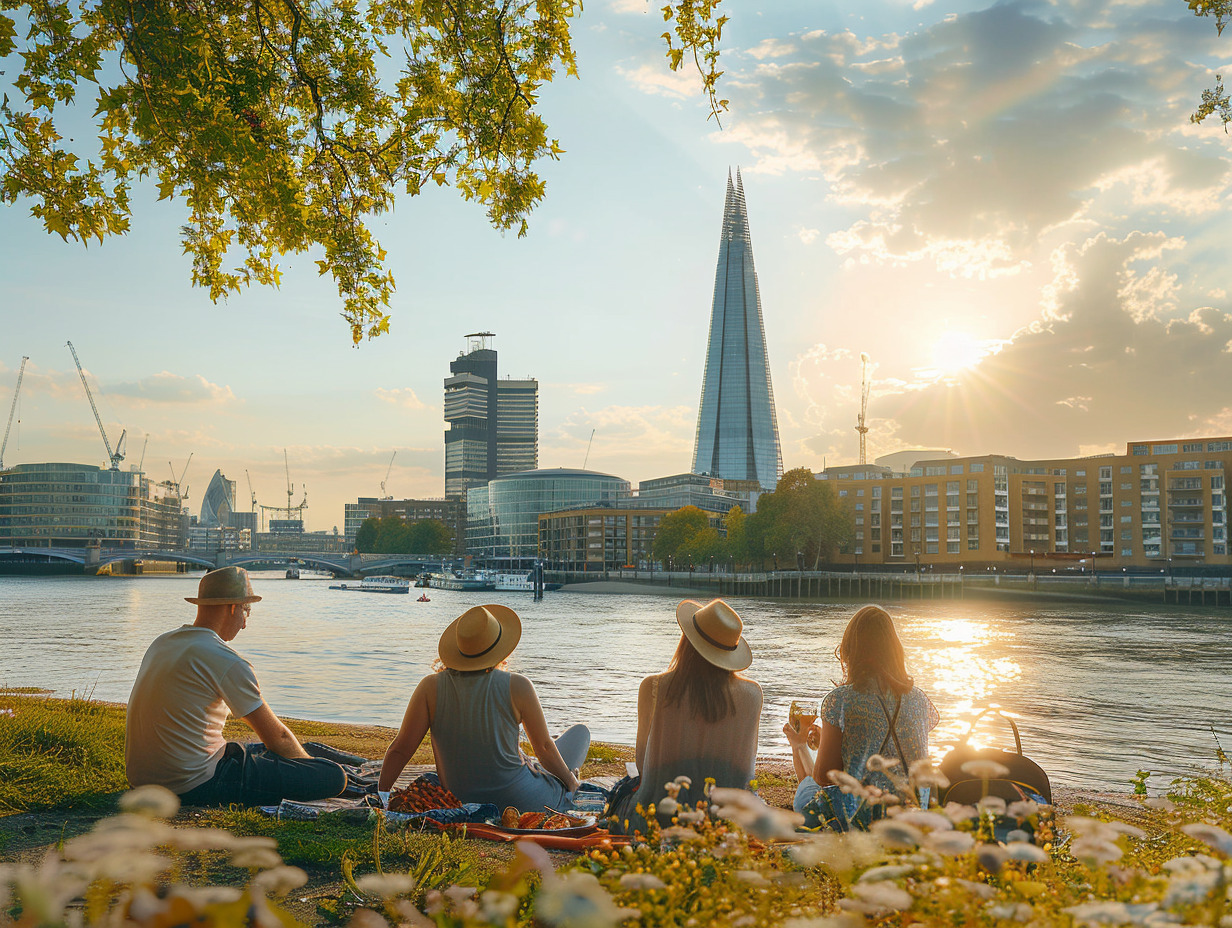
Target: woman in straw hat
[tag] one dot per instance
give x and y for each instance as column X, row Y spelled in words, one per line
column 876, row 710
column 473, row 709
column 699, row 718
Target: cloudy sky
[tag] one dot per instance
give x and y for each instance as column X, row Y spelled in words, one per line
column 1004, row 205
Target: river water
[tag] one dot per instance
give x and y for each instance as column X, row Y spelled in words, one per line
column 1098, row 692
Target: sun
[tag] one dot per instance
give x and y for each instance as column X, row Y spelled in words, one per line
column 955, row 352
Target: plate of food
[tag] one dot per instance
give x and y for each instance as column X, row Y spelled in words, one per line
column 573, row 824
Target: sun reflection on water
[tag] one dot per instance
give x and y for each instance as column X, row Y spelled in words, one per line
column 962, row 662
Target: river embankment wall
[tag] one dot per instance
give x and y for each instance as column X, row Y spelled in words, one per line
column 1214, row 592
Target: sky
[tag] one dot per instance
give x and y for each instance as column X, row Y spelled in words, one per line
column 1004, row 205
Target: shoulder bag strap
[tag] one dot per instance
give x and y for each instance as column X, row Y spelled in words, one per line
column 893, row 727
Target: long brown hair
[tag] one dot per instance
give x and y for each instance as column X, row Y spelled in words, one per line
column 707, row 688
column 871, row 654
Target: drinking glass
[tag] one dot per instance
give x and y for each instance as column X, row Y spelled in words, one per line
column 803, row 713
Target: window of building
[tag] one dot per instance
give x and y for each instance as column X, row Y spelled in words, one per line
column 1126, row 503
column 859, row 507
column 956, row 468
column 1128, row 469
column 1127, row 486
column 1163, row 449
column 1191, row 447
column 915, row 490
column 951, row 547
column 931, row 548
column 1127, row 552
column 1217, row 483
column 973, row 542
column 934, row 470
column 1213, row 465
column 1219, row 446
column 1141, row 449
column 1080, row 489
column 977, row 468
column 1127, row 519
column 859, row 492
column 842, row 493
column 876, row 492
column 1105, row 473
column 1080, row 473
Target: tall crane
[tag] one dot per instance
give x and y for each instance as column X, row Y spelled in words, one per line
column 290, row 510
column 251, row 491
column 387, row 472
column 118, row 455
column 145, row 444
column 21, row 372
column 177, row 482
column 866, row 383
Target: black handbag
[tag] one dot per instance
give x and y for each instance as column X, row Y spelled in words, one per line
column 1025, row 779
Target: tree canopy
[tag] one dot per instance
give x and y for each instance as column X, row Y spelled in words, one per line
column 285, row 125
column 391, row 535
column 801, row 517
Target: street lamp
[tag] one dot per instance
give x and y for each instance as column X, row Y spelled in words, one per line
column 775, row 555
column 800, row 561
column 1032, row 563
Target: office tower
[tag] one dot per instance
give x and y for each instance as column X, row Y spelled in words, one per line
column 737, row 430
column 218, row 502
column 493, row 424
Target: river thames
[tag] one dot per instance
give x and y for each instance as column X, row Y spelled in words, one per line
column 1098, row 691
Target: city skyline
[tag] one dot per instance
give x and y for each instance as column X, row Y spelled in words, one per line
column 1005, row 205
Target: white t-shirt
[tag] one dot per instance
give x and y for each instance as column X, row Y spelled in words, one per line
column 188, row 680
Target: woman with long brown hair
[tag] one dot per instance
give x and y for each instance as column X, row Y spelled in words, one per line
column 699, row 718
column 876, row 709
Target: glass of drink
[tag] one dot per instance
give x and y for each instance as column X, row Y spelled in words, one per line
column 803, row 713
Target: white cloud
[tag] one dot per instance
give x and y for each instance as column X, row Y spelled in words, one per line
column 166, row 387
column 807, row 236
column 659, row 80
column 400, row 396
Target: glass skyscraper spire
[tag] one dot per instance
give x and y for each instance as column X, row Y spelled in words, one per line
column 737, row 429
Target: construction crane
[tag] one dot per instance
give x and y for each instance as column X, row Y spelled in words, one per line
column 387, row 472
column 866, row 383
column 290, row 510
column 181, row 491
column 115, row 456
column 21, row 372
column 588, row 444
column 145, row 444
column 251, row 491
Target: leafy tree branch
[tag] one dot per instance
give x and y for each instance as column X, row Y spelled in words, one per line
column 288, row 125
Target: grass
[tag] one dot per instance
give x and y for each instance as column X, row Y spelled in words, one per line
column 59, row 753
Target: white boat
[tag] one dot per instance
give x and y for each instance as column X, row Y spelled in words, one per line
column 461, row 580
column 522, row 583
column 375, row 585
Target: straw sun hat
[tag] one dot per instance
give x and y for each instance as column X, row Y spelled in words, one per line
column 226, row 586
column 715, row 631
column 480, row 638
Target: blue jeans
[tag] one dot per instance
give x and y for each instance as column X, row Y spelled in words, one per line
column 253, row 775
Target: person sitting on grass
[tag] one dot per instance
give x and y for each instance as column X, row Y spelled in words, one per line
column 473, row 709
column 188, row 680
column 697, row 719
column 877, row 709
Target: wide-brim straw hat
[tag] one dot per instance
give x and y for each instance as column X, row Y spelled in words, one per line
column 715, row 630
column 226, row 586
column 480, row 638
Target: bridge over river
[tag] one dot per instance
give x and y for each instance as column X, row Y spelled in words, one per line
column 93, row 559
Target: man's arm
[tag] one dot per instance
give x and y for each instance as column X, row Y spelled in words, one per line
column 273, row 733
column 416, row 722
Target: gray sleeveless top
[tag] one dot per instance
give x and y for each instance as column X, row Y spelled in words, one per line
column 475, row 740
column 679, row 744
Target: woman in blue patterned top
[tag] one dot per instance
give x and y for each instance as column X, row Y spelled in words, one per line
column 856, row 719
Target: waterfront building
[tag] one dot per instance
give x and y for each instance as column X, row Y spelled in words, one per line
column 737, row 428
column 493, row 423
column 75, row 505
column 450, row 511
column 599, row 537
column 211, row 538
column 1160, row 506
column 502, row 517
column 292, row 543
column 218, row 502
column 710, row 494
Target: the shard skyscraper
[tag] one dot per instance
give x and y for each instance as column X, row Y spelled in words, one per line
column 737, row 429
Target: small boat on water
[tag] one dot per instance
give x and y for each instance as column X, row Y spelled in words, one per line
column 375, row 585
column 423, row 598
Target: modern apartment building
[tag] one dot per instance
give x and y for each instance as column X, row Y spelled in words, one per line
column 737, row 427
column 1161, row 505
column 598, row 538
column 493, row 423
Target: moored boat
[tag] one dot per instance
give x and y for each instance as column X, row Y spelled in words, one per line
column 462, row 580
column 375, row 585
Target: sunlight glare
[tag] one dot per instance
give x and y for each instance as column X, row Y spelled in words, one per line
column 955, row 352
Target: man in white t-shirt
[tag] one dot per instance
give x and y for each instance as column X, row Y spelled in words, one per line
column 189, row 679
